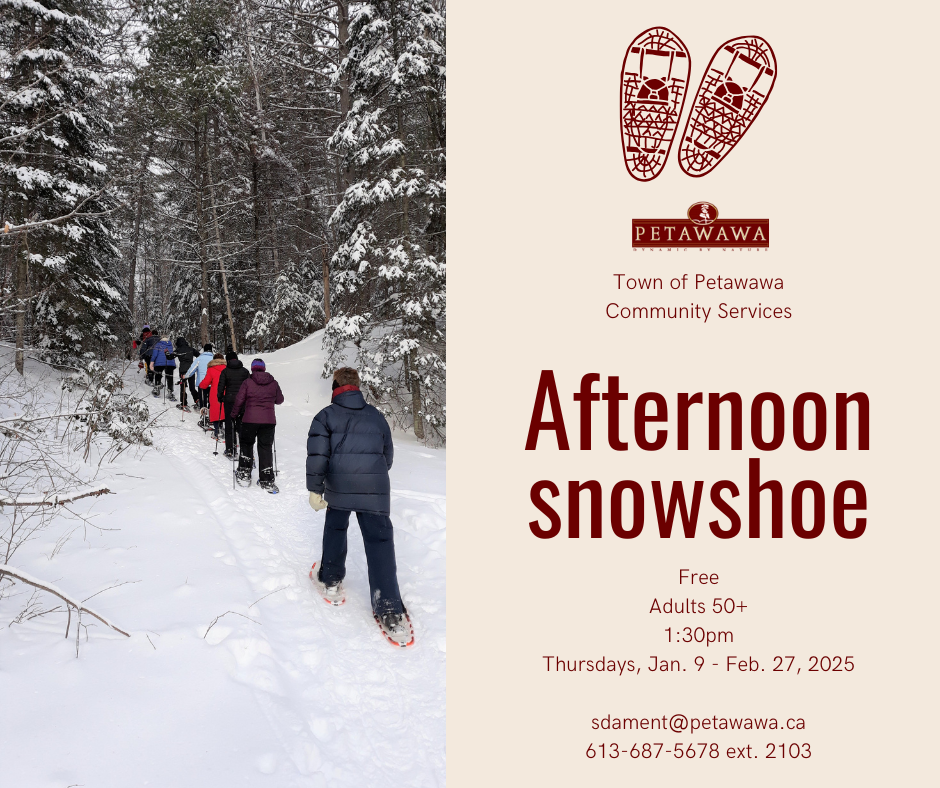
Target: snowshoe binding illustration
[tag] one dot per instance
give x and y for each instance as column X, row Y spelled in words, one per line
column 334, row 595
column 397, row 628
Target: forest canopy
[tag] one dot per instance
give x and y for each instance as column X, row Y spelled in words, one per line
column 239, row 172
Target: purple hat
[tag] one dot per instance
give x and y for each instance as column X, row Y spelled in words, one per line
column 257, row 364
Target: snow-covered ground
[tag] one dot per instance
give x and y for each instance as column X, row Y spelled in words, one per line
column 283, row 690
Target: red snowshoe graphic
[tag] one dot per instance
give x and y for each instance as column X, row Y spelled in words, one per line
column 653, row 84
column 734, row 89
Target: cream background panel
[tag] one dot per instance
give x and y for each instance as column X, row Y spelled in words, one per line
column 842, row 161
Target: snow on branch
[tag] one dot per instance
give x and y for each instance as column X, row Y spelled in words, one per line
column 16, row 574
column 54, row 500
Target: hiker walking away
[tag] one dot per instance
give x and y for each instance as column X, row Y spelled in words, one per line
column 198, row 372
column 145, row 332
column 146, row 349
column 185, row 357
column 163, row 362
column 210, row 384
column 230, row 382
column 255, row 402
column 349, row 454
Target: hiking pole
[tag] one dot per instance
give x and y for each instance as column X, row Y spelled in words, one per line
column 275, row 457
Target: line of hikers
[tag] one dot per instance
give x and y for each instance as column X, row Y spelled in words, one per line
column 349, row 455
column 228, row 396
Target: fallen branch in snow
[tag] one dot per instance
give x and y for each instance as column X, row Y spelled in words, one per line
column 266, row 596
column 45, row 418
column 79, row 606
column 215, row 620
column 55, row 500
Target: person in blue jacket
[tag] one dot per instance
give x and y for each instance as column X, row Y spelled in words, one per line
column 162, row 361
column 198, row 370
column 349, row 454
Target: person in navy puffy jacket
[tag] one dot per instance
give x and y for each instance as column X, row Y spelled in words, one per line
column 349, row 454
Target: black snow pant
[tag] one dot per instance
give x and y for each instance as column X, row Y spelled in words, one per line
column 157, row 376
column 379, row 542
column 265, row 435
column 192, row 389
column 232, row 429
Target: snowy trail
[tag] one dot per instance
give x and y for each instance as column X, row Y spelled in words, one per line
column 322, row 675
column 310, row 695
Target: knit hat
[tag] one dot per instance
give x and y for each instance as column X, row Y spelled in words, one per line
column 146, row 326
column 207, row 348
column 231, row 355
column 257, row 365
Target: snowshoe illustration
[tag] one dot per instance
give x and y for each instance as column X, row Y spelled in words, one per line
column 733, row 91
column 333, row 595
column 654, row 81
column 396, row 628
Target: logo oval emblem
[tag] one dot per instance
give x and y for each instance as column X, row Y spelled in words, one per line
column 702, row 213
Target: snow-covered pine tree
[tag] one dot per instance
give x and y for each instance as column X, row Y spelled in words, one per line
column 53, row 146
column 188, row 81
column 295, row 311
column 389, row 269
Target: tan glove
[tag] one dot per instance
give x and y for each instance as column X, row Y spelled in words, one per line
column 317, row 502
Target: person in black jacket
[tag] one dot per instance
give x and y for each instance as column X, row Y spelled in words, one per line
column 185, row 354
column 349, row 454
column 146, row 351
column 230, row 381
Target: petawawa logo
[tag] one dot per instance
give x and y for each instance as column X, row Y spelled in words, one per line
column 702, row 229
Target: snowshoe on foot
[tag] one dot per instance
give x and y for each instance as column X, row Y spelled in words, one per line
column 243, row 478
column 156, row 391
column 397, row 629
column 229, row 454
column 333, row 595
column 268, row 486
column 171, row 396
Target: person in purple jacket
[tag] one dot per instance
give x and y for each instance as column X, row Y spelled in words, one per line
column 256, row 400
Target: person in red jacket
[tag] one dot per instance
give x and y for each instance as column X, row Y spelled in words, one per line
column 257, row 397
column 211, row 382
